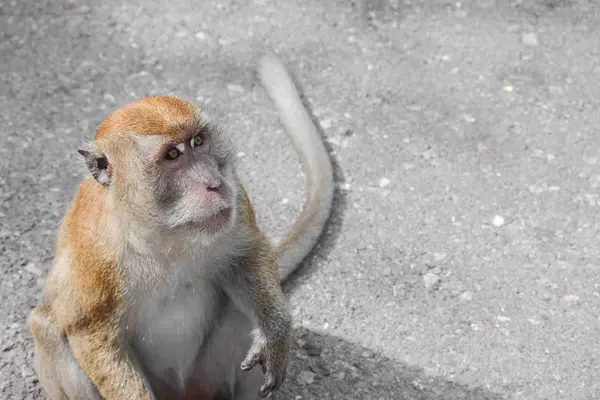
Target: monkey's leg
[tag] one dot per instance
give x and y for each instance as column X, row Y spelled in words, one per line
column 58, row 372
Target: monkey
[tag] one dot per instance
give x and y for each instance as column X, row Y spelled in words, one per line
column 162, row 285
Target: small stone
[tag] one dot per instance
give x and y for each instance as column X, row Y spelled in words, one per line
column 469, row 118
column 306, row 377
column 498, row 220
column 32, row 269
column 535, row 189
column 234, row 87
column 383, row 182
column 571, row 298
column 439, row 256
column 285, row 201
column 502, row 318
column 340, row 375
column 508, row 88
column 109, row 97
column 200, row 35
column 312, row 350
column 530, row 39
column 428, row 154
column 430, row 280
column 326, row 124
column 241, row 154
column 8, row 347
column 466, row 296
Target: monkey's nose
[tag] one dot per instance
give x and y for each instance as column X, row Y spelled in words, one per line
column 213, row 186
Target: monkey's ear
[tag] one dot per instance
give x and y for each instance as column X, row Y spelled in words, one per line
column 98, row 165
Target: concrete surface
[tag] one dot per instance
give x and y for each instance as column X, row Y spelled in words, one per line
column 461, row 259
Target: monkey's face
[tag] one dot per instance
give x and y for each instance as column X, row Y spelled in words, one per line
column 190, row 177
column 166, row 165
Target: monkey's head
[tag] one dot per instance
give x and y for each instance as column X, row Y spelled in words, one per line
column 164, row 165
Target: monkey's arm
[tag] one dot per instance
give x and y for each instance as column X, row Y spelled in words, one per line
column 254, row 286
column 107, row 362
column 257, row 292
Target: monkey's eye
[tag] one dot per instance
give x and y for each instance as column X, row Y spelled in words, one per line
column 172, row 154
column 196, row 141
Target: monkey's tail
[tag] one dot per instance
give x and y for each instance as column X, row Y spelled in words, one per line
column 316, row 164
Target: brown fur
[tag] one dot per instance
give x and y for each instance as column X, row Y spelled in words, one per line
column 103, row 329
column 87, row 292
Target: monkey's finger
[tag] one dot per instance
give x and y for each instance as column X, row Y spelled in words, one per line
column 250, row 361
column 268, row 387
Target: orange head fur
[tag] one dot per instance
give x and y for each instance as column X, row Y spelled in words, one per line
column 163, row 162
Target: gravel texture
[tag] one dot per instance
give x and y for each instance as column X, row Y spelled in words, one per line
column 461, row 260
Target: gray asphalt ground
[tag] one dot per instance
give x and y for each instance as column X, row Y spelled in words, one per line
column 460, row 261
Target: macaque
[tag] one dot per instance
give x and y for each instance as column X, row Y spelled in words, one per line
column 162, row 285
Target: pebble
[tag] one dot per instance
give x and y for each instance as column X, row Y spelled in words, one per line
column 498, row 220
column 535, row 189
column 200, row 35
column 428, row 154
column 312, row 350
column 439, row 256
column 326, row 124
column 530, row 39
column 502, row 318
column 340, row 375
column 571, row 298
column 430, row 279
column 466, row 296
column 234, row 87
column 469, row 118
column 383, row 182
column 306, row 377
column 31, row 268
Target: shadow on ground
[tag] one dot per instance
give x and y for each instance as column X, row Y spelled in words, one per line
column 328, row 367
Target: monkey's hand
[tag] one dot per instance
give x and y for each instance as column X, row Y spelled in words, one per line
column 272, row 353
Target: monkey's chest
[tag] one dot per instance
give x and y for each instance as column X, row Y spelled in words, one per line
column 171, row 326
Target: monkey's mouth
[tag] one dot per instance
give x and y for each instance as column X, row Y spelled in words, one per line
column 215, row 221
